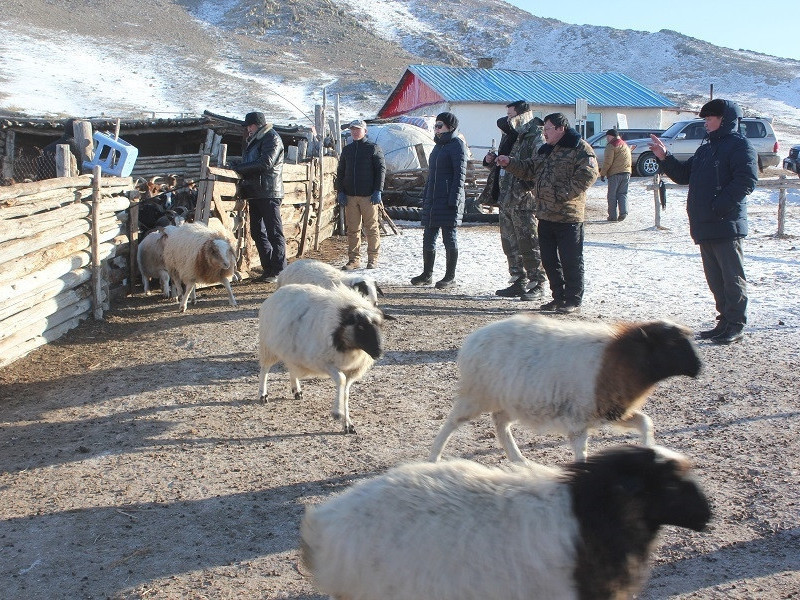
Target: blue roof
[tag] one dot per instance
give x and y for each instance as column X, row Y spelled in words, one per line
column 538, row 87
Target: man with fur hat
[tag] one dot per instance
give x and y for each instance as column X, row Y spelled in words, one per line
column 359, row 184
column 561, row 171
column 262, row 186
column 720, row 175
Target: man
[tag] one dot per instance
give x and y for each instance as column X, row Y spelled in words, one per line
column 562, row 171
column 359, row 182
column 617, row 168
column 262, row 186
column 720, row 175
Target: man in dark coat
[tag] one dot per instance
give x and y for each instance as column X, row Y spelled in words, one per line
column 443, row 200
column 262, row 186
column 720, row 175
column 359, row 183
column 46, row 161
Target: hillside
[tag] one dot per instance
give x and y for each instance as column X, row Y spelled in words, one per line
column 89, row 58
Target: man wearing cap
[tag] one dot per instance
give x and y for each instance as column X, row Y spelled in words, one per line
column 617, row 168
column 359, row 183
column 262, row 186
column 720, row 175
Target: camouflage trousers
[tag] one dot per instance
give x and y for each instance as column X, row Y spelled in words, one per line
column 523, row 231
column 510, row 246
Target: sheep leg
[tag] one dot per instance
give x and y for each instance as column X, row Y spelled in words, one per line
column 579, row 440
column 185, row 297
column 294, row 383
column 231, row 299
column 262, row 380
column 165, row 284
column 458, row 415
column 502, row 425
column 339, row 408
column 146, row 285
column 640, row 422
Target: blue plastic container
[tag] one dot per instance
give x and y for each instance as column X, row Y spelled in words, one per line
column 115, row 157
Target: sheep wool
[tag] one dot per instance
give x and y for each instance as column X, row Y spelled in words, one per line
column 565, row 376
column 316, row 272
column 150, row 258
column 462, row 531
column 315, row 331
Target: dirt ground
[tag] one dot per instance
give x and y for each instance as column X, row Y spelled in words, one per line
column 135, row 461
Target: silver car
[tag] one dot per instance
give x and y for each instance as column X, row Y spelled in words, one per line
column 599, row 140
column 684, row 137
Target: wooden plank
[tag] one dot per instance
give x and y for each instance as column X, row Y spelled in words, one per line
column 18, row 349
column 31, row 307
column 80, row 309
column 224, row 188
column 38, row 259
column 14, row 229
column 97, row 279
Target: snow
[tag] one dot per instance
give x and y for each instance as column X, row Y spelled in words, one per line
column 632, row 270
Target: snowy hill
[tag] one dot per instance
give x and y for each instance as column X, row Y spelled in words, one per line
column 174, row 57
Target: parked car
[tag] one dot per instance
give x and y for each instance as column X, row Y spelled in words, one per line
column 792, row 162
column 684, row 137
column 598, row 141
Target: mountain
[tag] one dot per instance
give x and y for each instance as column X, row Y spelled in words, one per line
column 170, row 57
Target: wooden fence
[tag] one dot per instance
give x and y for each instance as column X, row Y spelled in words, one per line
column 54, row 236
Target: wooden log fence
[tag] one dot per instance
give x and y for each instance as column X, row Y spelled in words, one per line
column 56, row 260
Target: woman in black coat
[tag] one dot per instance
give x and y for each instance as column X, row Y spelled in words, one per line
column 443, row 200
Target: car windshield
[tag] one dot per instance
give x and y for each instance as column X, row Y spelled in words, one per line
column 673, row 130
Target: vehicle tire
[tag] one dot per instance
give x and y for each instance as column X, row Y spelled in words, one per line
column 647, row 165
column 414, row 213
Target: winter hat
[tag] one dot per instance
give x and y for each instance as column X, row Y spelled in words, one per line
column 449, row 119
column 612, row 132
column 715, row 108
column 520, row 106
column 358, row 123
column 255, row 118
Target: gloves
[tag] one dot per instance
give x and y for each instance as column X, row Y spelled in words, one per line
column 375, row 198
column 341, row 198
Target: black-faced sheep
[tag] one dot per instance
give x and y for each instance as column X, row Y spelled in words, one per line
column 458, row 530
column 565, row 376
column 324, row 275
column 150, row 258
column 314, row 331
column 193, row 254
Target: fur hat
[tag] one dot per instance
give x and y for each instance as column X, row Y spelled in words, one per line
column 612, row 132
column 358, row 123
column 715, row 108
column 449, row 119
column 520, row 106
column 255, row 118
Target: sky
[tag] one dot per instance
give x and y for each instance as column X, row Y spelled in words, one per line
column 732, row 24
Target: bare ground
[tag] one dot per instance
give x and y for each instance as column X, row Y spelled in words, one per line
column 136, row 463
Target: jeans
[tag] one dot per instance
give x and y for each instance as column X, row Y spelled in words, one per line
column 561, row 245
column 266, row 229
column 618, row 194
column 431, row 234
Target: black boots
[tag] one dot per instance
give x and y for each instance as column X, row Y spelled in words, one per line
column 426, row 277
column 449, row 279
column 515, row 289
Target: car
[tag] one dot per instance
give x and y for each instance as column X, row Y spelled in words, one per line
column 598, row 141
column 792, row 162
column 684, row 137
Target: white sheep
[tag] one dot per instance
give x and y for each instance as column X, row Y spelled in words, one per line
column 150, row 258
column 314, row 331
column 458, row 530
column 193, row 254
column 565, row 376
column 324, row 275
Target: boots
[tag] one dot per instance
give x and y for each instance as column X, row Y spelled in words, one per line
column 449, row 279
column 426, row 277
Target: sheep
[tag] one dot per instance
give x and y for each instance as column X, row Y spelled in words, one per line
column 322, row 274
column 314, row 331
column 150, row 258
column 565, row 376
column 459, row 530
column 193, row 253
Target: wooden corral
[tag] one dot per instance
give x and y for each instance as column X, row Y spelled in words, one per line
column 48, row 246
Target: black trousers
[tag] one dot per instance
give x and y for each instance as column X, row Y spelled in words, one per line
column 266, row 228
column 561, row 245
column 724, row 269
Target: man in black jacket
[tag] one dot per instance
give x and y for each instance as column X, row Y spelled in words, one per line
column 359, row 183
column 262, row 186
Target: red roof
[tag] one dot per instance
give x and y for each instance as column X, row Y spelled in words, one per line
column 410, row 93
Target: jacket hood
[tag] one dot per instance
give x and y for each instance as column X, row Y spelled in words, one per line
column 522, row 122
column 504, row 126
column 730, row 119
column 260, row 133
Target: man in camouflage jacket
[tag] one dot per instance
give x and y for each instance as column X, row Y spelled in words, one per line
column 562, row 170
column 516, row 200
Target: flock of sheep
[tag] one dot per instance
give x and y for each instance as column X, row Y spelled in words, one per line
column 456, row 529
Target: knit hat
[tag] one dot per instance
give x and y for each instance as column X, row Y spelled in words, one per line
column 612, row 132
column 715, row 108
column 255, row 118
column 449, row 119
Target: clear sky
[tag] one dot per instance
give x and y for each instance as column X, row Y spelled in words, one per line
column 734, row 23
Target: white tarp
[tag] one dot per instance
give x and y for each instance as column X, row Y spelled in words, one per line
column 398, row 141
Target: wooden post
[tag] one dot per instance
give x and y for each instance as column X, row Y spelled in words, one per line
column 423, row 160
column 97, row 269
column 337, row 123
column 302, row 150
column 209, row 141
column 222, row 157
column 215, row 146
column 321, row 133
column 8, row 159
column 203, row 197
column 63, row 161
column 133, row 239
column 83, row 137
column 310, row 170
column 781, row 209
column 657, row 200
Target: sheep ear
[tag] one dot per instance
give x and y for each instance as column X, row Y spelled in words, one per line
column 379, row 290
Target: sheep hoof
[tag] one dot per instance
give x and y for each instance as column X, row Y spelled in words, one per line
column 349, row 428
column 263, row 399
column 298, row 395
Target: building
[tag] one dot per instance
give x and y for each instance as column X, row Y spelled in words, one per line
column 478, row 97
